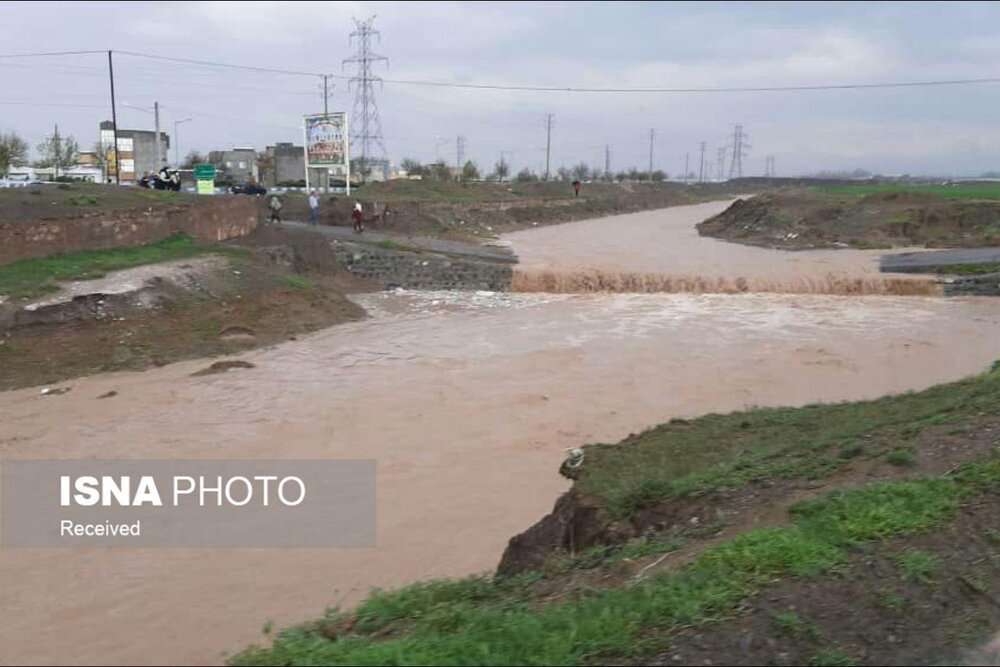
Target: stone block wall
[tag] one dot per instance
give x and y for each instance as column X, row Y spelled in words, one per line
column 391, row 267
column 215, row 219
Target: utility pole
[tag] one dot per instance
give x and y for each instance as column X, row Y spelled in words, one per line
column 607, row 161
column 652, row 135
column 687, row 159
column 177, row 141
column 701, row 164
column 548, row 144
column 157, row 152
column 459, row 154
column 720, row 163
column 114, row 119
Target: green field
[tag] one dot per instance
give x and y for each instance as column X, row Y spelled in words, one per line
column 986, row 191
column 34, row 277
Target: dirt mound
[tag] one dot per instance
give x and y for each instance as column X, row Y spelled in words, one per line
column 808, row 220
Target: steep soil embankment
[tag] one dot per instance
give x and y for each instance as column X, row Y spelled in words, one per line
column 812, row 219
column 278, row 285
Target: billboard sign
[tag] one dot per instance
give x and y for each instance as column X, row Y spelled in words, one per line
column 326, row 140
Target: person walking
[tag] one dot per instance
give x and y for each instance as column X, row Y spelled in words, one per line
column 314, row 208
column 275, row 206
column 358, row 218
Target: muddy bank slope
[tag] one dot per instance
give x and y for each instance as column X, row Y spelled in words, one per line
column 213, row 300
column 813, row 218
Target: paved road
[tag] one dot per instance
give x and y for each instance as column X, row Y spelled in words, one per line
column 924, row 261
column 445, row 247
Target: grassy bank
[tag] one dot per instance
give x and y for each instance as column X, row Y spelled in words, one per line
column 865, row 216
column 546, row 617
column 64, row 200
column 955, row 191
column 34, row 277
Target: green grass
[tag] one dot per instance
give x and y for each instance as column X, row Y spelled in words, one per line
column 393, row 245
column 892, row 601
column 483, row 622
column 901, row 458
column 791, row 623
column 298, row 282
column 692, row 458
column 831, row 657
column 969, row 269
column 917, row 565
column 33, row 277
column 956, row 191
column 606, row 555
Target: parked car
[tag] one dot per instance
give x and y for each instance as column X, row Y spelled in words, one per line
column 249, row 189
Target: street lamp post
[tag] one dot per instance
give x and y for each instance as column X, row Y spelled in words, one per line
column 177, row 143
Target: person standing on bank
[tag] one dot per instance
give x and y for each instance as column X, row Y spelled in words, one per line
column 275, row 206
column 358, row 218
column 313, row 208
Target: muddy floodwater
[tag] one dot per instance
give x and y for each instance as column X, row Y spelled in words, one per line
column 467, row 401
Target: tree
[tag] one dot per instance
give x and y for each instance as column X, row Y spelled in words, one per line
column 412, row 167
column 265, row 168
column 438, row 171
column 659, row 176
column 501, row 169
column 564, row 174
column 470, row 172
column 13, row 152
column 193, row 158
column 581, row 172
column 526, row 176
column 58, row 152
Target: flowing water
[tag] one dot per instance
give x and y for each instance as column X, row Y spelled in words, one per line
column 467, row 401
column 661, row 251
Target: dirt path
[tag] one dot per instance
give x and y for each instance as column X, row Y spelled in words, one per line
column 467, row 402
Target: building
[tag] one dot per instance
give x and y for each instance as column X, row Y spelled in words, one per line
column 238, row 165
column 286, row 164
column 136, row 152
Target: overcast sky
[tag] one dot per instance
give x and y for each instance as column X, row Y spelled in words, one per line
column 943, row 130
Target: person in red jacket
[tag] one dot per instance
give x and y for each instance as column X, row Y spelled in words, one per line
column 358, row 218
column 576, row 188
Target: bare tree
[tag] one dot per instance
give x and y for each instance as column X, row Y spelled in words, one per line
column 193, row 158
column 412, row 167
column 58, row 152
column 13, row 152
column 526, row 176
column 501, row 170
column 266, row 168
column 470, row 172
column 581, row 172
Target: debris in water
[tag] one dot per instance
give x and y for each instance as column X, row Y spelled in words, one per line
column 110, row 394
column 55, row 391
column 223, row 367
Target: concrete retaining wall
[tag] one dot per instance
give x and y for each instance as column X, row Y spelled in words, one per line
column 215, row 219
column 391, row 267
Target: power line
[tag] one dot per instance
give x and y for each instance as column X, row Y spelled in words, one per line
column 51, row 53
column 557, row 89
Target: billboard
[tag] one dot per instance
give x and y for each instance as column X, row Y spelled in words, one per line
column 326, row 140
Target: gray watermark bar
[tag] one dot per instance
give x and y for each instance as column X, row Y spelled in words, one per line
column 188, row 503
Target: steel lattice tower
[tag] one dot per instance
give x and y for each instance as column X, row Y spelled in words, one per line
column 366, row 126
column 739, row 149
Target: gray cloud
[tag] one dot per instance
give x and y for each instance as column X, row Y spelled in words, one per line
column 565, row 44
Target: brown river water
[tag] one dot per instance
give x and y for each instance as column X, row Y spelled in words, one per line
column 467, row 401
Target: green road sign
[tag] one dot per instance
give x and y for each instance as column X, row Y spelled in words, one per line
column 204, row 172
